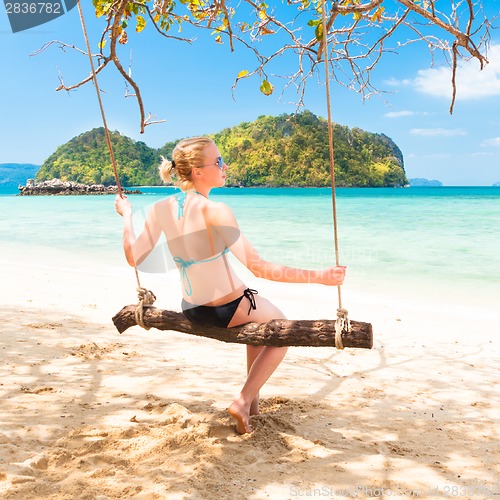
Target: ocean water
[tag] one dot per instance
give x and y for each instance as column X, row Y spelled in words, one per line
column 434, row 244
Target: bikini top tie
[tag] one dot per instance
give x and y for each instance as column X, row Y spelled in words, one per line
column 185, row 264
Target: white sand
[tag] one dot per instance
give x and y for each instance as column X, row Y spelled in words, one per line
column 88, row 413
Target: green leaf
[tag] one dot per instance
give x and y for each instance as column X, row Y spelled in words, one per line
column 141, row 24
column 318, row 32
column 99, row 10
column 377, row 16
column 314, row 22
column 266, row 88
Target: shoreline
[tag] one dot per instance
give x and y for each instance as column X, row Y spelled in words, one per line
column 143, row 414
column 13, row 190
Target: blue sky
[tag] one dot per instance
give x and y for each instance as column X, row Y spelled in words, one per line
column 189, row 86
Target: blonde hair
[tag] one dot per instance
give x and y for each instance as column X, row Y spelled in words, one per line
column 186, row 155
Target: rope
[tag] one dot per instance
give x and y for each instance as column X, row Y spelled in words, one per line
column 96, row 85
column 342, row 320
column 342, row 324
column 146, row 297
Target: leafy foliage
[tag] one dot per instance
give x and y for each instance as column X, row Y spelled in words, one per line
column 285, row 150
column 85, row 159
column 357, row 34
column 292, row 150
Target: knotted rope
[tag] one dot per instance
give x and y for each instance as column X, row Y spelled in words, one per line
column 146, row 299
column 342, row 323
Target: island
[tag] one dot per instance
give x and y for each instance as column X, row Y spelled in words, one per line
column 289, row 150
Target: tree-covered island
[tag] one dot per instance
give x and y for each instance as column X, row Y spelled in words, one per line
column 272, row 151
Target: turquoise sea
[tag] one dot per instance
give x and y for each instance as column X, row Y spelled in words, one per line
column 435, row 244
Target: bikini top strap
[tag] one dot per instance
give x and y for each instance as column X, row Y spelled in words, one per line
column 181, row 199
column 185, row 264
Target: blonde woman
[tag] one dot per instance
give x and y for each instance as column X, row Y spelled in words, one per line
column 200, row 233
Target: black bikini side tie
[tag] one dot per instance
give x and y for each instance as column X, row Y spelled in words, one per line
column 249, row 294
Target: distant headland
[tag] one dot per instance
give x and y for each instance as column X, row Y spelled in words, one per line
column 421, row 182
column 13, row 174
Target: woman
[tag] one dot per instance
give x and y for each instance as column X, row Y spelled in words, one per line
column 199, row 234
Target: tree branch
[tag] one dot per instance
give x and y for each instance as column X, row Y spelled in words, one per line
column 357, row 31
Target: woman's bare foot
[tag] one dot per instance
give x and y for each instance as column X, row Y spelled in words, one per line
column 254, row 407
column 238, row 412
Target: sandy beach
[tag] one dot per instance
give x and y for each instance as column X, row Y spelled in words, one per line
column 88, row 413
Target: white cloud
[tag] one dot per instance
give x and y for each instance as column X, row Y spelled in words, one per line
column 399, row 114
column 441, row 132
column 481, row 155
column 394, row 82
column 472, row 83
column 495, row 141
column 434, row 156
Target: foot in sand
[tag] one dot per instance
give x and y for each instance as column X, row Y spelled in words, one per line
column 240, row 414
column 254, row 407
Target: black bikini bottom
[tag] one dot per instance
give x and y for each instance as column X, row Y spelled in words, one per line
column 217, row 315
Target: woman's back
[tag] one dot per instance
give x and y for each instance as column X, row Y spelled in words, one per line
column 199, row 248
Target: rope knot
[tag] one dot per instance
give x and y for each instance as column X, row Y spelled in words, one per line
column 147, row 296
column 146, row 299
column 342, row 324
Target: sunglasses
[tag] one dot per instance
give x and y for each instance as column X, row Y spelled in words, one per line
column 219, row 162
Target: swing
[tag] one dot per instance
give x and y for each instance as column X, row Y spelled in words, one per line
column 340, row 333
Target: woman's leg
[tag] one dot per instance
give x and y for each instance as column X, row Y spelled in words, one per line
column 263, row 367
column 252, row 353
column 261, row 361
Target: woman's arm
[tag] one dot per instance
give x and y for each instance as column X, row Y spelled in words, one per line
column 137, row 249
column 224, row 221
column 277, row 272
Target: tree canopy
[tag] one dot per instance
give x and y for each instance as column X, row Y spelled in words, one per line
column 285, row 150
column 358, row 34
column 85, row 159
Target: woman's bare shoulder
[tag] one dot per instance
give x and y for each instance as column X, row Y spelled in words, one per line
column 161, row 208
column 165, row 202
column 220, row 214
